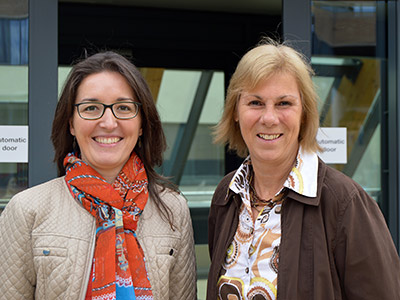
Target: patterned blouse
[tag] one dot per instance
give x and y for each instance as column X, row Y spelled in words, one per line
column 250, row 270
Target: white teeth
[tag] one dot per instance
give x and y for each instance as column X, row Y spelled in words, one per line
column 269, row 136
column 104, row 140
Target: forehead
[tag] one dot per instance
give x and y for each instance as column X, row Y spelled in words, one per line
column 275, row 85
column 105, row 75
column 104, row 83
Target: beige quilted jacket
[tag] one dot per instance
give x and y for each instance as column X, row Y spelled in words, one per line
column 47, row 244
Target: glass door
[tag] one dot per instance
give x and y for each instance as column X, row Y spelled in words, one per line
column 351, row 80
column 13, row 99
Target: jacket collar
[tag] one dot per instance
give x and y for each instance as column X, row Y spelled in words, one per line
column 224, row 194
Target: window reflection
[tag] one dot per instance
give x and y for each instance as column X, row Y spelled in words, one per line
column 13, row 88
column 205, row 161
column 349, row 81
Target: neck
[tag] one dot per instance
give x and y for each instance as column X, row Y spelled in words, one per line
column 110, row 179
column 269, row 178
column 108, row 175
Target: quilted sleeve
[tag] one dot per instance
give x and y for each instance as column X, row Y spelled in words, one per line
column 183, row 276
column 17, row 276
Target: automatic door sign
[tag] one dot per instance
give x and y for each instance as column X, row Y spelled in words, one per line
column 13, row 144
column 333, row 141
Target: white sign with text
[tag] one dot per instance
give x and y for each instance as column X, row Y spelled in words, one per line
column 13, row 144
column 333, row 141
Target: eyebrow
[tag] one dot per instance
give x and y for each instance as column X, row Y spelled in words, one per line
column 97, row 100
column 279, row 97
column 288, row 96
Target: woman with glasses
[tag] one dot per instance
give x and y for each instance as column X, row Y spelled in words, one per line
column 109, row 227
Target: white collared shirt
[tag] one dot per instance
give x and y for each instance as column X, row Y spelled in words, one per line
column 251, row 262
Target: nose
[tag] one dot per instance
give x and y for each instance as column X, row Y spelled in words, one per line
column 108, row 121
column 269, row 116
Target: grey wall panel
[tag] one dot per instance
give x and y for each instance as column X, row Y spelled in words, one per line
column 296, row 16
column 43, row 15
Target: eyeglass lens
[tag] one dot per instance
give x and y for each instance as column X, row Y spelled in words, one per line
column 121, row 110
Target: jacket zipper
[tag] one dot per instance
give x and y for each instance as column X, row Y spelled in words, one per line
column 280, row 246
column 89, row 266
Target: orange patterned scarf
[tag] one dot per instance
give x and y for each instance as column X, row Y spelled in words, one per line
column 118, row 270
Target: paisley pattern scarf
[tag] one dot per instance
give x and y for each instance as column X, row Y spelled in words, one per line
column 118, row 270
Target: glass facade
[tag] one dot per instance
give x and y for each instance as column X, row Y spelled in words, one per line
column 351, row 82
column 13, row 92
column 348, row 54
column 180, row 112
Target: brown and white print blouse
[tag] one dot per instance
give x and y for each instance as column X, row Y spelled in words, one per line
column 251, row 263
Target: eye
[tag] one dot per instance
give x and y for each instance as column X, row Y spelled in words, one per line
column 89, row 107
column 255, row 103
column 284, row 103
column 125, row 107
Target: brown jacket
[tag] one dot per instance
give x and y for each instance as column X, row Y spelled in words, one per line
column 335, row 246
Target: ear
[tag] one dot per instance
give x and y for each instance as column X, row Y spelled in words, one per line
column 236, row 116
column 140, row 131
column 235, row 109
column 71, row 127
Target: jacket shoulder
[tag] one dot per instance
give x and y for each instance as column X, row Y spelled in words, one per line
column 338, row 192
column 174, row 200
column 40, row 196
column 50, row 207
column 338, row 185
column 56, row 185
column 222, row 189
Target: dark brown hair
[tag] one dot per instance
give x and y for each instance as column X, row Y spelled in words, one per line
column 152, row 141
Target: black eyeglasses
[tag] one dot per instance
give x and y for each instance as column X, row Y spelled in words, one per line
column 121, row 110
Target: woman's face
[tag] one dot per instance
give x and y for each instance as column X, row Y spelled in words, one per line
column 106, row 143
column 269, row 117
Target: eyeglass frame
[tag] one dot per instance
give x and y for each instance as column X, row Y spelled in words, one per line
column 110, row 106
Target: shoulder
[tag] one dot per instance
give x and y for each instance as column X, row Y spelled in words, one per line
column 153, row 222
column 40, row 204
column 55, row 185
column 226, row 180
column 173, row 199
column 222, row 189
column 337, row 182
column 41, row 195
column 336, row 188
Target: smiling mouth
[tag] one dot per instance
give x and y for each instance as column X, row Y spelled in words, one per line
column 104, row 140
column 269, row 137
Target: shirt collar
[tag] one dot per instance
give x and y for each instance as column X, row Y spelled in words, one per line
column 240, row 181
column 302, row 178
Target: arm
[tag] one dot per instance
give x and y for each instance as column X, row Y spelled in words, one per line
column 366, row 258
column 183, row 276
column 219, row 195
column 211, row 229
column 17, row 275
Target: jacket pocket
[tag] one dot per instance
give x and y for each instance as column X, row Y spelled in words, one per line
column 51, row 267
column 167, row 251
column 49, row 252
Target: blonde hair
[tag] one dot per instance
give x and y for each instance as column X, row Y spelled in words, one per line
column 257, row 65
